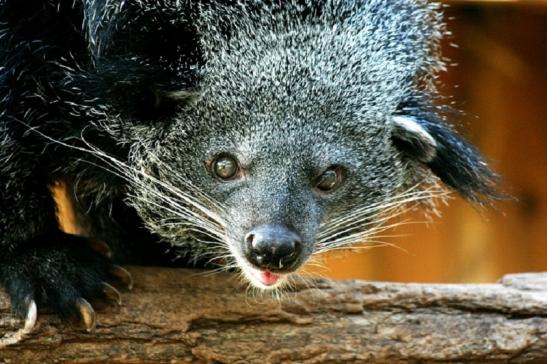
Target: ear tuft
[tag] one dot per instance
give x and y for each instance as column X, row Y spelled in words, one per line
column 412, row 139
column 461, row 166
column 428, row 140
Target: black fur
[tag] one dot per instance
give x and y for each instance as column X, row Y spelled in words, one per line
column 55, row 81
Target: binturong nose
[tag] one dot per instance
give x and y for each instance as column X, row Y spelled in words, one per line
column 273, row 247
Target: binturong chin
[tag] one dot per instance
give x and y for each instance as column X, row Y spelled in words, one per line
column 245, row 134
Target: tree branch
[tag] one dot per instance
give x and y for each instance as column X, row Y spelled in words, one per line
column 176, row 315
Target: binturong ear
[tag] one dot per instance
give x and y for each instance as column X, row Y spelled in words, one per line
column 457, row 163
column 412, row 139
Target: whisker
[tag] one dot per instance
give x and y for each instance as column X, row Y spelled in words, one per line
column 197, row 212
column 360, row 225
column 393, row 203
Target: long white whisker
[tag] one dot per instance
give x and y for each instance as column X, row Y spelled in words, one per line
column 392, row 203
column 361, row 223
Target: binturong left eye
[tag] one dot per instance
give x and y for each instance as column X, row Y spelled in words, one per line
column 225, row 167
column 331, row 179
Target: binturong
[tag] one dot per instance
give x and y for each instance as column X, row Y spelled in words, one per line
column 248, row 135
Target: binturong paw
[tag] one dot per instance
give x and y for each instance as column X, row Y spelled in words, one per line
column 65, row 274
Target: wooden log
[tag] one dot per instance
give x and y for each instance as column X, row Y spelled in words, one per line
column 185, row 316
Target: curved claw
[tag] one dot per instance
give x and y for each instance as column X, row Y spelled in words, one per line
column 123, row 275
column 100, row 247
column 112, row 293
column 87, row 314
column 32, row 316
column 30, row 323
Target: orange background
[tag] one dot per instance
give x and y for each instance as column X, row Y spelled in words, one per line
column 500, row 81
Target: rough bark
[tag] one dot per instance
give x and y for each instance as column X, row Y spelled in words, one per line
column 182, row 316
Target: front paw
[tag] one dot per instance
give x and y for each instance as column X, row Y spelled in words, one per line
column 62, row 273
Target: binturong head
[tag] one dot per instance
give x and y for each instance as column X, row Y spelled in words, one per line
column 309, row 125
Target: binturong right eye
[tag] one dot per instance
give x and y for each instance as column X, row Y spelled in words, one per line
column 331, row 179
column 225, row 167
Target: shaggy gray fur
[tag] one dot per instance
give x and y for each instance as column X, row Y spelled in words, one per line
column 132, row 101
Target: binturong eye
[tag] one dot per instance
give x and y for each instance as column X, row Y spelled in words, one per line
column 330, row 179
column 225, row 167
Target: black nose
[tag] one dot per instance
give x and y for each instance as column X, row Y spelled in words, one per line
column 273, row 247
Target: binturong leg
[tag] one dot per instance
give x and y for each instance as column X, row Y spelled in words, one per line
column 41, row 266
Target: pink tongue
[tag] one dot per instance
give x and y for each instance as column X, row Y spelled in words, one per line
column 268, row 278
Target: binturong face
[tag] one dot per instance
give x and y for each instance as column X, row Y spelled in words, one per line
column 306, row 131
column 269, row 193
column 266, row 191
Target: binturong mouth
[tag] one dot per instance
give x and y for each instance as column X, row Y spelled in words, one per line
column 263, row 278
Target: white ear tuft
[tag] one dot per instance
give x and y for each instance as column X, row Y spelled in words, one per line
column 413, row 139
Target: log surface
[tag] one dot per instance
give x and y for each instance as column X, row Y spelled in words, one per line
column 183, row 316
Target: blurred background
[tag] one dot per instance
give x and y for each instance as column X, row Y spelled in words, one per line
column 498, row 78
